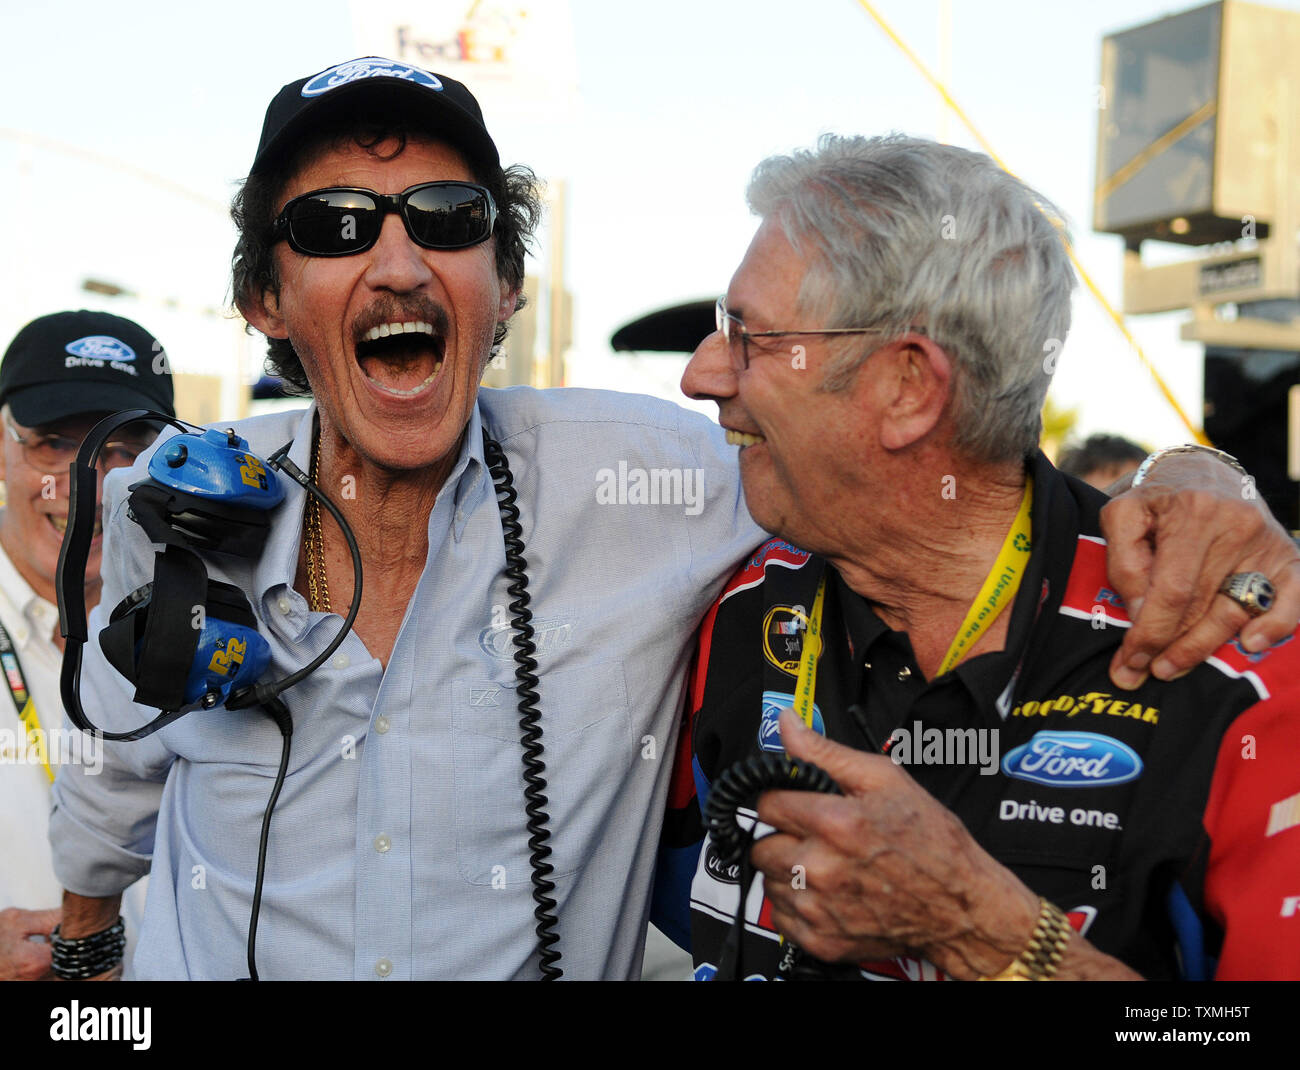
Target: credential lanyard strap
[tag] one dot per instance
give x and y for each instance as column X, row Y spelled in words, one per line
column 998, row 592
column 24, row 705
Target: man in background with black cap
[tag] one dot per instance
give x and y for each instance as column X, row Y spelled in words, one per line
column 430, row 826
column 60, row 375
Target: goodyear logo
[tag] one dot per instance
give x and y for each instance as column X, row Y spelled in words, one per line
column 1093, row 702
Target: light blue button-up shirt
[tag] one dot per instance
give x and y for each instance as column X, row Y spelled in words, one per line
column 398, row 847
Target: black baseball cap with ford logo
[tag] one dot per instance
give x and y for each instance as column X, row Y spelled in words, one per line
column 73, row 363
column 441, row 105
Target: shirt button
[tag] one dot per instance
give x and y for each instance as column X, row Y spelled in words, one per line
column 383, row 967
column 460, row 516
column 381, row 725
column 866, row 664
column 340, row 661
column 284, row 606
column 382, row 843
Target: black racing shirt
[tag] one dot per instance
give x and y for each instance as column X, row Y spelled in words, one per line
column 1165, row 821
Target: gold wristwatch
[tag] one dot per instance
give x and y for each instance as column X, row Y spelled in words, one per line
column 1044, row 951
column 1144, row 469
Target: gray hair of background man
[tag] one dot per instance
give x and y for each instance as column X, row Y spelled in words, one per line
column 904, row 231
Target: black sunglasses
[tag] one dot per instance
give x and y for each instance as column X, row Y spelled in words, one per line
column 341, row 221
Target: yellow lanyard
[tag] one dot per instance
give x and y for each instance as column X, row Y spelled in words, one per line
column 998, row 592
column 23, row 703
column 806, row 683
column 1000, row 585
column 36, row 737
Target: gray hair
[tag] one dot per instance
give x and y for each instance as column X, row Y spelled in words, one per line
column 905, row 232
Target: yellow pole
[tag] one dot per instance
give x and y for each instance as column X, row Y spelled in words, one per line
column 1115, row 316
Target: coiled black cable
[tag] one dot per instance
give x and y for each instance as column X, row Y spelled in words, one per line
column 743, row 783
column 535, row 801
column 740, row 785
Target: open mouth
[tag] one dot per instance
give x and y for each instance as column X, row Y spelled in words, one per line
column 401, row 357
column 60, row 524
column 741, row 438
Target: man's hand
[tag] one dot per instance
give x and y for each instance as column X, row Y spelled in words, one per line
column 22, row 959
column 1205, row 523
column 886, row 870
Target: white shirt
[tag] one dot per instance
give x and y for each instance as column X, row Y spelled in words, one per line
column 26, row 867
column 27, row 877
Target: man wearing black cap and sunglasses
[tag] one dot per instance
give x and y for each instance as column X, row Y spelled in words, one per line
column 60, row 374
column 426, row 828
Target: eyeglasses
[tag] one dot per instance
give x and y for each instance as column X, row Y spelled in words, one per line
column 52, row 453
column 341, row 221
column 732, row 328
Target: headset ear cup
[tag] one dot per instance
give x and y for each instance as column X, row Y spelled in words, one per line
column 126, row 626
column 178, row 518
column 169, row 637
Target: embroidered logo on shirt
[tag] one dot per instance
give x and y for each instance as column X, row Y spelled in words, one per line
column 769, row 729
column 1090, row 702
column 783, row 630
column 549, row 636
column 1073, row 760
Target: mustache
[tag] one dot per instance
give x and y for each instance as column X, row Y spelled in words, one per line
column 391, row 309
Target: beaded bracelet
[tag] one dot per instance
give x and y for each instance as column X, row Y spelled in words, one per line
column 87, row 956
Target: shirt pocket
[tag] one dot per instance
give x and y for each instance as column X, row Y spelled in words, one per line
column 587, row 745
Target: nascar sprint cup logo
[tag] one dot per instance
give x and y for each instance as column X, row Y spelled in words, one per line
column 371, row 67
column 1073, row 760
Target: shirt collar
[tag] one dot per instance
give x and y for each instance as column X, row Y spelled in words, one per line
column 278, row 565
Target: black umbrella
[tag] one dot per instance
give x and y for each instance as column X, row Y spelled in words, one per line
column 677, row 329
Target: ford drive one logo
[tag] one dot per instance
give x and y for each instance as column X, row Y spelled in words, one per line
column 371, row 67
column 100, row 347
column 769, row 727
column 1073, row 760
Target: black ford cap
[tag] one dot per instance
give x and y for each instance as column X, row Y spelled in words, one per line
column 442, row 105
column 72, row 363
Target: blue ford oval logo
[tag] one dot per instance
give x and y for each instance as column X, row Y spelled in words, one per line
column 1073, row 760
column 370, row 67
column 769, row 727
column 100, row 347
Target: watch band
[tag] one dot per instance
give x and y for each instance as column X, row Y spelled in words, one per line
column 1044, row 951
column 1144, row 469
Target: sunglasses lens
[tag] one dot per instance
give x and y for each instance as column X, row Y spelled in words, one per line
column 333, row 223
column 449, row 215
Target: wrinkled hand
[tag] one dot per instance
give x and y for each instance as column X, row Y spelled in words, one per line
column 22, row 959
column 1205, row 523
column 885, row 870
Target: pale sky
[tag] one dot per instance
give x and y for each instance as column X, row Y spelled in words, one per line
column 679, row 100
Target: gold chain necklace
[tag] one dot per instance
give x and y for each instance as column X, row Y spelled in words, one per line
column 318, row 587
